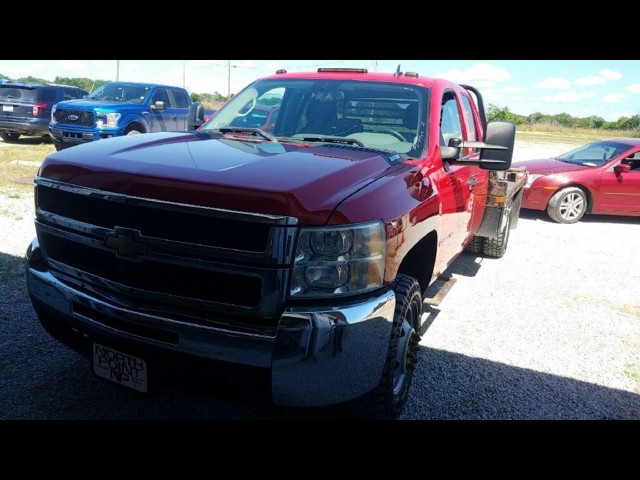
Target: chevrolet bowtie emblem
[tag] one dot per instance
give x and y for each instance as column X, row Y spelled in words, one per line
column 127, row 243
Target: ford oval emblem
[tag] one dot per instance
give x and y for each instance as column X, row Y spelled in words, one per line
column 73, row 118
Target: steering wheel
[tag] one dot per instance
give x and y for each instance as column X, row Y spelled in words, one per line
column 393, row 133
column 254, row 100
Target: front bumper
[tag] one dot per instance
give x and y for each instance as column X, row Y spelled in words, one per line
column 75, row 135
column 318, row 356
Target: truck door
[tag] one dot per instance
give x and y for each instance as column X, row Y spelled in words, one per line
column 161, row 120
column 464, row 179
column 180, row 103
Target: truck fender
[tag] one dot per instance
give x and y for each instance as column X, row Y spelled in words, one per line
column 131, row 118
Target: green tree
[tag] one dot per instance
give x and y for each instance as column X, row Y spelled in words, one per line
column 504, row 114
column 31, row 79
column 85, row 83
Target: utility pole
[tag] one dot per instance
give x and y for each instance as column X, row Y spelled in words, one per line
column 228, row 79
column 117, row 70
column 184, row 75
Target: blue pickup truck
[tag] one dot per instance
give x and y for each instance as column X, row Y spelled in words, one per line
column 119, row 108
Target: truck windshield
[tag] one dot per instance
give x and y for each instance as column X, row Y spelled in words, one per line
column 381, row 115
column 120, row 92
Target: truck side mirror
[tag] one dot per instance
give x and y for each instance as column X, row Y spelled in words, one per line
column 501, row 134
column 157, row 107
column 496, row 152
column 196, row 116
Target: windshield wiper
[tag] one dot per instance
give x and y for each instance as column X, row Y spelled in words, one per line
column 330, row 139
column 253, row 131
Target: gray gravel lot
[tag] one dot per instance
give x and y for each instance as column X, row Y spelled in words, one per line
column 550, row 331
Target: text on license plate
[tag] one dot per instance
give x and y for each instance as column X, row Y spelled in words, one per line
column 7, row 108
column 120, row 367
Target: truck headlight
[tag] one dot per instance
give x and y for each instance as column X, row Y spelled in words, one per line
column 53, row 115
column 108, row 120
column 339, row 260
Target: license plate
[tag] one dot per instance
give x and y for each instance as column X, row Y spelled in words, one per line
column 120, row 367
column 7, row 108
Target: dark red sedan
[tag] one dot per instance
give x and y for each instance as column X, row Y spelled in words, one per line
column 601, row 177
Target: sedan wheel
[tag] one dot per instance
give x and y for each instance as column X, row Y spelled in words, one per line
column 567, row 205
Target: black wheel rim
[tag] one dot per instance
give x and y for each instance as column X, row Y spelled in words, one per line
column 403, row 363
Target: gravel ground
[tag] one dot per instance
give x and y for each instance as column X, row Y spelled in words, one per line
column 550, row 331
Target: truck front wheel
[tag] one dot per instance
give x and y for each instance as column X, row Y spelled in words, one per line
column 385, row 402
column 59, row 145
column 132, row 130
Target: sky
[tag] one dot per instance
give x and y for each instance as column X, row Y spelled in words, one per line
column 607, row 88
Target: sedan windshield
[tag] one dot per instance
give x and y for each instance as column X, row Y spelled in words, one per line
column 594, row 154
column 383, row 116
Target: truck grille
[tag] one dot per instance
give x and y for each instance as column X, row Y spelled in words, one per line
column 185, row 262
column 157, row 220
column 74, row 117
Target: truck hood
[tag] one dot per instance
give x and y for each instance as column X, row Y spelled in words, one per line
column 548, row 166
column 303, row 181
column 90, row 105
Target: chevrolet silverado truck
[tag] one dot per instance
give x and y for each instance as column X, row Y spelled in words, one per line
column 300, row 254
column 119, row 108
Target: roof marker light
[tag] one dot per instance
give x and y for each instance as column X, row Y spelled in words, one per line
column 342, row 70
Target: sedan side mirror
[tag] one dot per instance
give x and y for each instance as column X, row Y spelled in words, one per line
column 622, row 168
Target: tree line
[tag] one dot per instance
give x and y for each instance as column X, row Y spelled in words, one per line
column 90, row 85
column 563, row 119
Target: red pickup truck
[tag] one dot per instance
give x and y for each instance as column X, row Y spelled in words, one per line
column 300, row 252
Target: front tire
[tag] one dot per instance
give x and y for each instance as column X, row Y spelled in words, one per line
column 132, row 130
column 385, row 402
column 567, row 205
column 9, row 137
column 59, row 145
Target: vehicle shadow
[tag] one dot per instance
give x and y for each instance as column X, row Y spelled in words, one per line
column 539, row 215
column 42, row 379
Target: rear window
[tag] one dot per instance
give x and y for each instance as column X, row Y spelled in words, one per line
column 12, row 93
column 48, row 95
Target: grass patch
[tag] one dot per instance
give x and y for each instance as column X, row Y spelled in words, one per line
column 630, row 309
column 11, row 268
column 545, row 133
column 12, row 176
column 634, row 373
column 7, row 212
